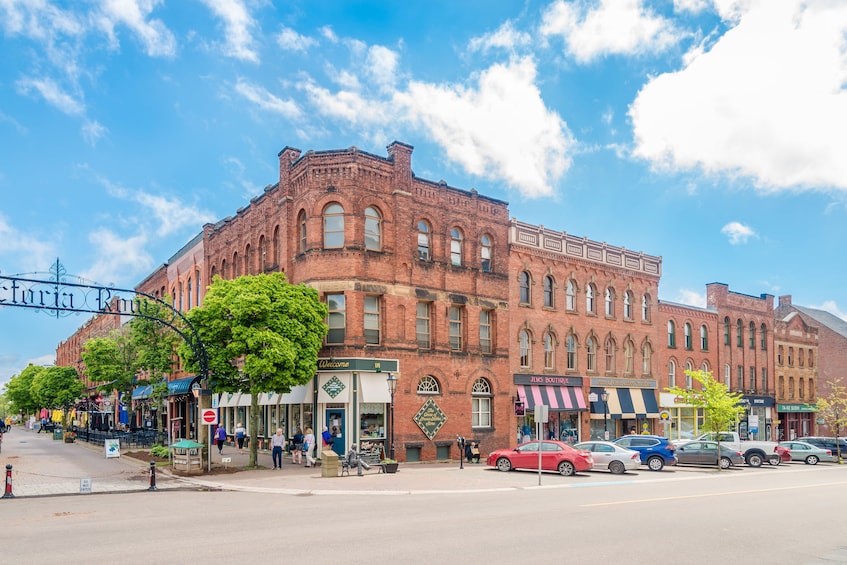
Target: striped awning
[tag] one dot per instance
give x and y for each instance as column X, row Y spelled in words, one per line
column 625, row 403
column 556, row 397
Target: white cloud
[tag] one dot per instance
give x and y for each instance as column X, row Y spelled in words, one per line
column 153, row 34
column 693, row 6
column 30, row 254
column 172, row 214
column 738, row 232
column 290, row 40
column 766, row 102
column 692, row 298
column 239, row 28
column 505, row 37
column 499, row 129
column 92, row 131
column 267, row 101
column 612, row 27
column 349, row 105
column 381, row 65
column 52, row 94
column 117, row 258
column 328, row 34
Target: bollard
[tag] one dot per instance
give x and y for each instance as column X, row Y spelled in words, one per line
column 152, row 476
column 8, row 493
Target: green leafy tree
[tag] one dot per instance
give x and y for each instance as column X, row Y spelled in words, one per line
column 18, row 390
column 833, row 409
column 58, row 387
column 111, row 362
column 721, row 408
column 261, row 334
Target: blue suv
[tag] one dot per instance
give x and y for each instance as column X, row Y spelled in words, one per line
column 656, row 451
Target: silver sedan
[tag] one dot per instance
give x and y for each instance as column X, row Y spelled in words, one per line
column 807, row 453
column 613, row 457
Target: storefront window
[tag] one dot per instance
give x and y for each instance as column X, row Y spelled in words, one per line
column 372, row 420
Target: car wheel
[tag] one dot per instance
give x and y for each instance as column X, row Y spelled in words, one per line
column 504, row 464
column 774, row 459
column 566, row 468
column 617, row 467
column 726, row 463
column 656, row 463
column 755, row 460
column 812, row 460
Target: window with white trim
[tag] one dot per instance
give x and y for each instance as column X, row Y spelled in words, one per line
column 549, row 351
column 422, row 325
column 373, row 229
column 372, row 320
column 334, row 226
column 525, row 357
column 428, row 385
column 481, row 404
column 485, row 335
column 456, row 341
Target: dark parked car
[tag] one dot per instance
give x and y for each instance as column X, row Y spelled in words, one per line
column 827, row 443
column 656, row 451
column 706, row 453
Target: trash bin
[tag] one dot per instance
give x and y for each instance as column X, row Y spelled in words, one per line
column 57, row 433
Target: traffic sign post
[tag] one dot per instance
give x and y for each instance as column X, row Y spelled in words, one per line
column 209, row 416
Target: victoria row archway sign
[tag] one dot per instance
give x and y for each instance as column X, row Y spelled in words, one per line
column 59, row 296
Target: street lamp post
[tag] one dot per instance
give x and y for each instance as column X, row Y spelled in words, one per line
column 392, row 388
column 604, row 396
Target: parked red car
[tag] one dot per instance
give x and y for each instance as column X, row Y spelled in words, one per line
column 555, row 456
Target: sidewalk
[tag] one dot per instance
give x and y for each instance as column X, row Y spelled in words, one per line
column 46, row 467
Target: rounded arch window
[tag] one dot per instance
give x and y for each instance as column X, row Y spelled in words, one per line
column 428, row 385
column 373, row 229
column 334, row 226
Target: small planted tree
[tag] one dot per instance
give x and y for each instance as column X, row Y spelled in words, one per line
column 832, row 408
column 261, row 334
column 721, row 408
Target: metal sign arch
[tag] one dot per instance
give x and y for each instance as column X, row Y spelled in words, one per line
column 60, row 296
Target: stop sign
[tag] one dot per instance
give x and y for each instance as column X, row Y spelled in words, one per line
column 209, row 416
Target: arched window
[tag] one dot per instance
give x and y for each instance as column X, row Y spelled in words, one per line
column 548, row 291
column 248, row 260
column 571, row 341
column 688, row 380
column 197, row 288
column 739, row 334
column 704, row 338
column 811, row 358
column 523, row 282
column 609, row 348
column 629, row 357
column 190, row 292
column 275, row 250
column 223, row 268
column 671, row 374
column 373, row 229
column 485, row 253
column 647, row 360
column 591, row 354
column 236, row 266
column 645, row 308
column 525, row 351
column 333, row 226
column 481, row 404
column 790, row 356
column 549, row 351
column 726, row 331
column 428, row 385
column 687, row 331
column 570, row 296
column 763, row 338
column 752, row 335
column 627, row 305
column 727, row 375
column 456, row 240
column 610, row 302
column 589, row 299
column 263, row 254
column 779, row 352
column 671, row 334
column 423, row 241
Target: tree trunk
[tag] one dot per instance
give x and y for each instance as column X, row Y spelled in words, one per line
column 254, row 430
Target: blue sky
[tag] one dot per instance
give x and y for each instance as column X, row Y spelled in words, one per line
column 709, row 132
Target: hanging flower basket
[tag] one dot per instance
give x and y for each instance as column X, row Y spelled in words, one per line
column 69, row 437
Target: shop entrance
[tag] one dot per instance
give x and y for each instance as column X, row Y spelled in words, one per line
column 335, row 425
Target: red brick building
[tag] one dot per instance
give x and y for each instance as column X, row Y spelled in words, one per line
column 796, row 357
column 415, row 274
column 581, row 325
column 745, row 355
column 688, row 342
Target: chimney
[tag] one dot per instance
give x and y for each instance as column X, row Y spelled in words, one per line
column 287, row 156
column 401, row 155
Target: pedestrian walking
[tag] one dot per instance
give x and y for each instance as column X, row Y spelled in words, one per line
column 220, row 436
column 240, row 434
column 308, row 446
column 277, row 443
column 297, row 454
